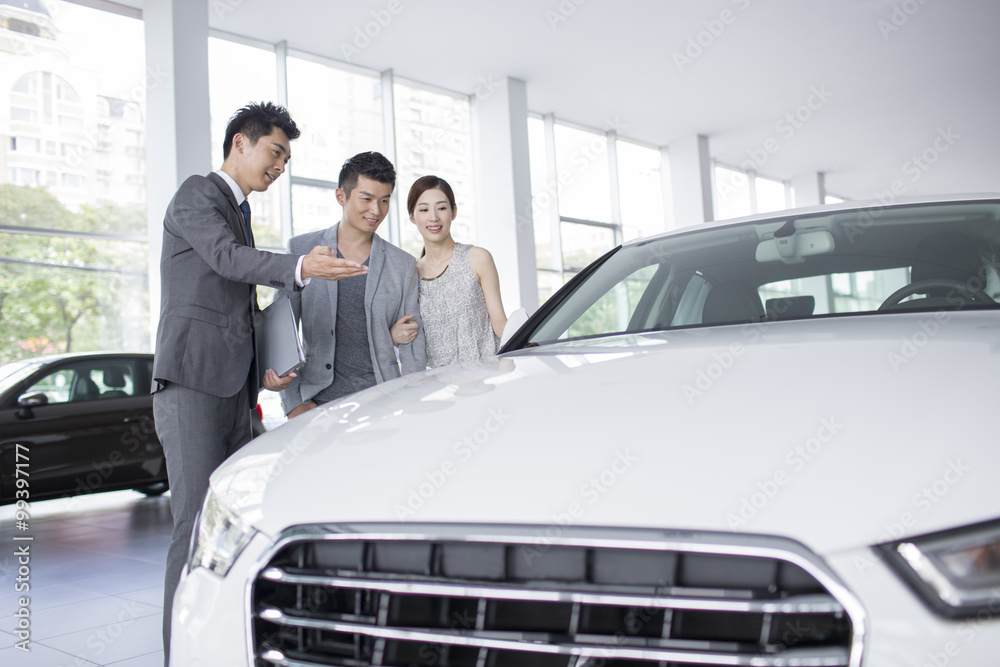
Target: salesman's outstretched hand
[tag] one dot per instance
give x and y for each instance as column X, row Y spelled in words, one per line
column 275, row 383
column 321, row 262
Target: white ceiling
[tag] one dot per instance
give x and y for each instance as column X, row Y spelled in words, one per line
column 899, row 78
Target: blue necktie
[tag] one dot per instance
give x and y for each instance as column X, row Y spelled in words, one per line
column 245, row 208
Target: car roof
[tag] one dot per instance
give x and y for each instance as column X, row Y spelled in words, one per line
column 866, row 205
column 52, row 358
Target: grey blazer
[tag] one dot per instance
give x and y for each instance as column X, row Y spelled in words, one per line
column 391, row 290
column 205, row 339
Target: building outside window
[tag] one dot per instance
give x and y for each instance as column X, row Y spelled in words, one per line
column 590, row 192
column 739, row 193
column 434, row 136
column 60, row 62
column 339, row 113
column 239, row 74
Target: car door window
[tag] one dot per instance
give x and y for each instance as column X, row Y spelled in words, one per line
column 116, row 379
column 89, row 381
column 56, row 386
column 612, row 312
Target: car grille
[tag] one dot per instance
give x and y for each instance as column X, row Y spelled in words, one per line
column 490, row 597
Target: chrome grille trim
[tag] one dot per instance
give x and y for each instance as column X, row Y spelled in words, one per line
column 838, row 601
column 832, row 657
column 805, row 604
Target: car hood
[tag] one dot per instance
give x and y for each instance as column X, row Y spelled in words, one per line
column 836, row 432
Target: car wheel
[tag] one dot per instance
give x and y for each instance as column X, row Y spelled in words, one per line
column 153, row 490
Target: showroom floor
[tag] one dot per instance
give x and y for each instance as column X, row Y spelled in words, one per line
column 96, row 576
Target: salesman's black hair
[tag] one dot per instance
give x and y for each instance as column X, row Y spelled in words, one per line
column 258, row 120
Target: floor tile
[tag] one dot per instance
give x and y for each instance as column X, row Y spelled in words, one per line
column 129, row 637
column 148, row 660
column 40, row 656
column 96, row 579
column 133, row 579
column 85, row 615
column 151, row 596
column 47, row 597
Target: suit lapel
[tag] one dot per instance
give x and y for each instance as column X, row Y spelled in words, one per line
column 235, row 217
column 330, row 239
column 375, row 262
column 235, row 220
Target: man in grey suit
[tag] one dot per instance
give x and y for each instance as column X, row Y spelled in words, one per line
column 205, row 375
column 346, row 325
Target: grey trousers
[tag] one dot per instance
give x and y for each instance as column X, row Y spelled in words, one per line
column 198, row 432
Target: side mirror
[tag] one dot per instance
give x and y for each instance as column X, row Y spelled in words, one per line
column 514, row 322
column 25, row 403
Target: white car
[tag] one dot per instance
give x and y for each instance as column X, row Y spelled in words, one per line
column 771, row 441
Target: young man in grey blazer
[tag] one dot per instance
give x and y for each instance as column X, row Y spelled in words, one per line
column 205, row 375
column 345, row 325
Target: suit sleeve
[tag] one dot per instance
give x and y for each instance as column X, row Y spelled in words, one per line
column 413, row 357
column 199, row 218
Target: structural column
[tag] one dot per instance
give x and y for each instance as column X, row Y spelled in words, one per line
column 690, row 180
column 503, row 189
column 178, row 137
column 810, row 189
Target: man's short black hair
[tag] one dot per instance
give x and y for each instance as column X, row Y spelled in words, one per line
column 258, row 120
column 370, row 165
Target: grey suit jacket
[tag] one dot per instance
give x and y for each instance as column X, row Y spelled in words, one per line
column 205, row 339
column 391, row 290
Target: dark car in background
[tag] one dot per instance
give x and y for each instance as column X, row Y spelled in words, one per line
column 83, row 423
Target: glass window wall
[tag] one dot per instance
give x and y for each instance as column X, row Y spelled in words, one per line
column 75, row 162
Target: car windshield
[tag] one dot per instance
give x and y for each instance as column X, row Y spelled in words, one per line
column 882, row 260
column 15, row 371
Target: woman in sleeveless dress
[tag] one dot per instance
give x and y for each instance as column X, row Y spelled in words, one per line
column 459, row 286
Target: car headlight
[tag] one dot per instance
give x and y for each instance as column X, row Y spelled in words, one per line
column 219, row 537
column 957, row 572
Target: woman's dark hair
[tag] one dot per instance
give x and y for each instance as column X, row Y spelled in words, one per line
column 258, row 120
column 370, row 165
column 422, row 185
